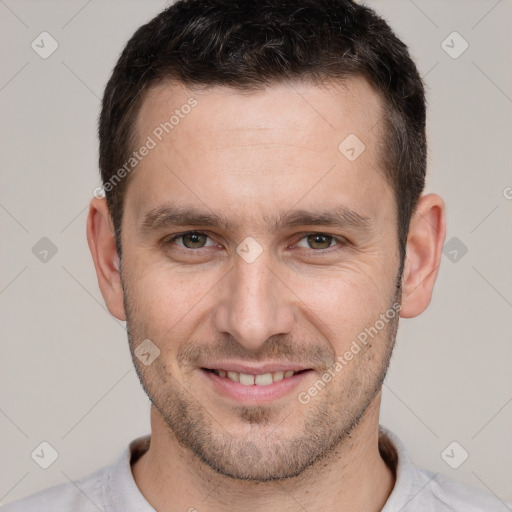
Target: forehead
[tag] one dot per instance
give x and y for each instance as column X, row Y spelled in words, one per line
column 253, row 151
column 302, row 107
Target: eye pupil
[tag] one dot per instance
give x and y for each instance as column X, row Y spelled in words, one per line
column 197, row 239
column 323, row 240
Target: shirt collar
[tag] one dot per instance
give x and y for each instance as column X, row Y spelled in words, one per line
column 120, row 492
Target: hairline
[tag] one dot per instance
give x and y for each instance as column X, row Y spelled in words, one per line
column 384, row 124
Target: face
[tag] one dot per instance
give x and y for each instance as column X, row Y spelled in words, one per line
column 257, row 252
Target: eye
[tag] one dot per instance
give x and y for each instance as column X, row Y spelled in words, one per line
column 315, row 242
column 320, row 241
column 192, row 240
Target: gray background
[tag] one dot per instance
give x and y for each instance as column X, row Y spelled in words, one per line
column 66, row 374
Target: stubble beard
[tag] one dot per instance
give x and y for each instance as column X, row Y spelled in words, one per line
column 267, row 455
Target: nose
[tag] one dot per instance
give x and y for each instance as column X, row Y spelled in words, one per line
column 254, row 304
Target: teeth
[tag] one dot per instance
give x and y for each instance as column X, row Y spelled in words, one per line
column 246, row 380
column 278, row 376
column 264, row 379
column 234, row 376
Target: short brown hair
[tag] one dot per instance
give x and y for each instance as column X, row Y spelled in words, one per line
column 250, row 44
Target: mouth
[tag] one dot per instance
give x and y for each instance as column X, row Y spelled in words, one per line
column 260, row 379
column 255, row 385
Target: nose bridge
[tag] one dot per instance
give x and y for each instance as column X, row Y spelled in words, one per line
column 254, row 304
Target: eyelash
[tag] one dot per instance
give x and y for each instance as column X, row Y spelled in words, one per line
column 341, row 242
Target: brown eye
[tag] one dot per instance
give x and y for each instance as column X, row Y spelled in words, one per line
column 192, row 240
column 319, row 241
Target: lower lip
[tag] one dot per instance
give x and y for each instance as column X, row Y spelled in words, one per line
column 255, row 393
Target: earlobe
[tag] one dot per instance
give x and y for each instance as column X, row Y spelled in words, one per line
column 425, row 241
column 102, row 244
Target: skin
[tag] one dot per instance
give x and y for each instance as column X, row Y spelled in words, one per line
column 302, row 300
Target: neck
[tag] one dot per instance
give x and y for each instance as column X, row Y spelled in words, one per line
column 353, row 477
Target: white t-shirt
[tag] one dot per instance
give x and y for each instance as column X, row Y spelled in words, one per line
column 113, row 489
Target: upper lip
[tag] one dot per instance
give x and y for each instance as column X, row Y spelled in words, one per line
column 256, row 370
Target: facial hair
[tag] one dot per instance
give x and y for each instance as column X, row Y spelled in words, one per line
column 268, row 454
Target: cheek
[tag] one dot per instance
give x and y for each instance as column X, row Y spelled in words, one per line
column 170, row 302
column 342, row 303
column 165, row 302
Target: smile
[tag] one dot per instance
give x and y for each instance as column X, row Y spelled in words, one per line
column 260, row 385
column 247, row 379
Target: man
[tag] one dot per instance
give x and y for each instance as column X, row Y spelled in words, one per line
column 263, row 230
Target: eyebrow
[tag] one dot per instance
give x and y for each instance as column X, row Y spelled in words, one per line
column 173, row 215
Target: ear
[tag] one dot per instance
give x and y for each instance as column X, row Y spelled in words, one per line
column 425, row 242
column 101, row 239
